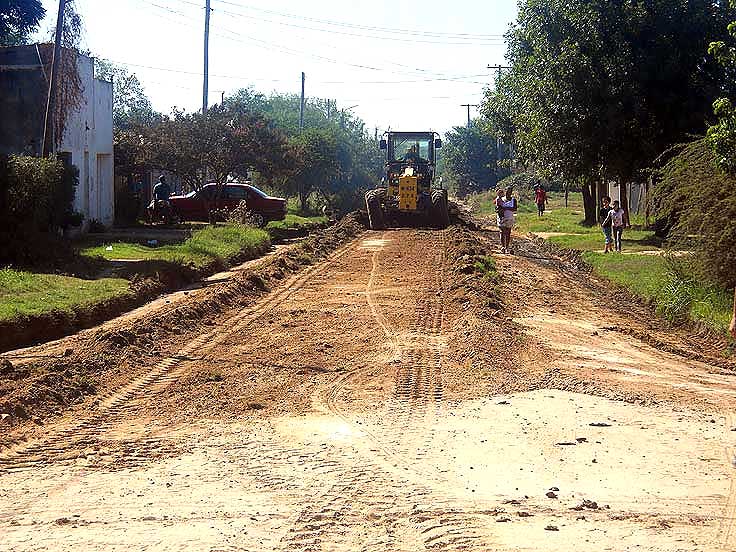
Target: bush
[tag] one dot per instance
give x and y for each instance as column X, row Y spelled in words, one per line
column 698, row 201
column 36, row 196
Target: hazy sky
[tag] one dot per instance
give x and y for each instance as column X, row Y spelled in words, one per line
column 404, row 64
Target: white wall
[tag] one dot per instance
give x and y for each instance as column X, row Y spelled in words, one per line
column 88, row 137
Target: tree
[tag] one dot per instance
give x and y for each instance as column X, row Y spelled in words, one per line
column 18, row 19
column 130, row 106
column 471, row 159
column 359, row 162
column 317, row 162
column 211, row 147
column 598, row 89
column 722, row 135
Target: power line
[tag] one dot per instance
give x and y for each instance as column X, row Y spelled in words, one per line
column 238, row 37
column 364, row 27
column 485, row 42
column 259, row 79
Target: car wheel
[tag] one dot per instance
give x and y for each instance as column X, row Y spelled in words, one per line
column 258, row 220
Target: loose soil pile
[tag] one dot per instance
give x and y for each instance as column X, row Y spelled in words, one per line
column 43, row 381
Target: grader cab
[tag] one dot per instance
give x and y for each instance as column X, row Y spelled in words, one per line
column 407, row 194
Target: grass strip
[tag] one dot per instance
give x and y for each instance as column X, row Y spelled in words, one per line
column 210, row 244
column 26, row 293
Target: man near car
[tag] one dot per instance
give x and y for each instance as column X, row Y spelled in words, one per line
column 161, row 192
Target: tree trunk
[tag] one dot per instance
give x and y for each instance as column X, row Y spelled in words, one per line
column 567, row 193
column 303, row 197
column 589, row 203
column 624, row 193
column 646, row 200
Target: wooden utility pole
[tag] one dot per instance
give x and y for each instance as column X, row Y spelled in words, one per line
column 48, row 128
column 205, row 88
column 469, row 106
column 301, row 106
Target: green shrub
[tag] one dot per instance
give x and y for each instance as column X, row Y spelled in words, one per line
column 699, row 202
column 36, row 197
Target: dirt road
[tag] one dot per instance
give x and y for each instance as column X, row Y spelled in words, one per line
column 384, row 400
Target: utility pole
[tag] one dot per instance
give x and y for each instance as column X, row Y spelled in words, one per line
column 205, row 87
column 468, row 106
column 301, row 106
column 48, row 128
column 498, row 69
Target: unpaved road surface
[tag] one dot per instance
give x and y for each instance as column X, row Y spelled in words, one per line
column 382, row 400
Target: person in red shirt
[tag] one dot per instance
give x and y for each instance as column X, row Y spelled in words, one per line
column 540, row 198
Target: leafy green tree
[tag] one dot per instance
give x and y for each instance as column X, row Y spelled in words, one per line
column 722, row 135
column 211, row 147
column 470, row 157
column 316, row 152
column 598, row 89
column 18, row 19
column 358, row 159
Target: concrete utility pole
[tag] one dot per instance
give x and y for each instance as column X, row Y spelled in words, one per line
column 48, row 129
column 301, row 106
column 205, row 87
column 468, row 106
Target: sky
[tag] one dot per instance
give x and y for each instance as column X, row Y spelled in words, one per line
column 403, row 64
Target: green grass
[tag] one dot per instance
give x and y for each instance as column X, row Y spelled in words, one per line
column 487, row 267
column 568, row 220
column 212, row 243
column 295, row 221
column 25, row 293
column 675, row 296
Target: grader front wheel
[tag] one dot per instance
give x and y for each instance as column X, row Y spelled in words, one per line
column 376, row 216
column 440, row 214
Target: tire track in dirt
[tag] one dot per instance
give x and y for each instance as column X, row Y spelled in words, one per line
column 122, row 402
column 372, row 490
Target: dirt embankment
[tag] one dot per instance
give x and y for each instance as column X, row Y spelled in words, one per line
column 43, row 381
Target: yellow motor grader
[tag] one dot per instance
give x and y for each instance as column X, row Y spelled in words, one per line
column 406, row 193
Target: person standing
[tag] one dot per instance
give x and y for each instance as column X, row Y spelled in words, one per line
column 540, row 198
column 732, row 328
column 606, row 224
column 499, row 212
column 617, row 221
column 508, row 207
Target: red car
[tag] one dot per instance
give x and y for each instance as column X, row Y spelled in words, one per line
column 264, row 208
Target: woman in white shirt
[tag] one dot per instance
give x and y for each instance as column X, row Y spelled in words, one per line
column 616, row 219
column 506, row 208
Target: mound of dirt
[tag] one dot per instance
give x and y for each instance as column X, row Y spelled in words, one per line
column 101, row 360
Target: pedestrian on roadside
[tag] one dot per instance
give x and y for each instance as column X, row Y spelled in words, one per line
column 540, row 198
column 499, row 211
column 616, row 218
column 606, row 224
column 509, row 206
column 732, row 328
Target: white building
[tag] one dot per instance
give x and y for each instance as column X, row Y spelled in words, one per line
column 87, row 142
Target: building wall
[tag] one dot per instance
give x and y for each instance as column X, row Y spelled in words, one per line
column 88, row 131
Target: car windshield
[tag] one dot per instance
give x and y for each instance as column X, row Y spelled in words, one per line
column 259, row 192
column 410, row 147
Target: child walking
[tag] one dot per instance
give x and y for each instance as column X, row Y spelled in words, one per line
column 606, row 224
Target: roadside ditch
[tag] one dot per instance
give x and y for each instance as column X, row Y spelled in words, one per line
column 148, row 279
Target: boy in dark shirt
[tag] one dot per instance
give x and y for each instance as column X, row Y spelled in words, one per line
column 606, row 224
